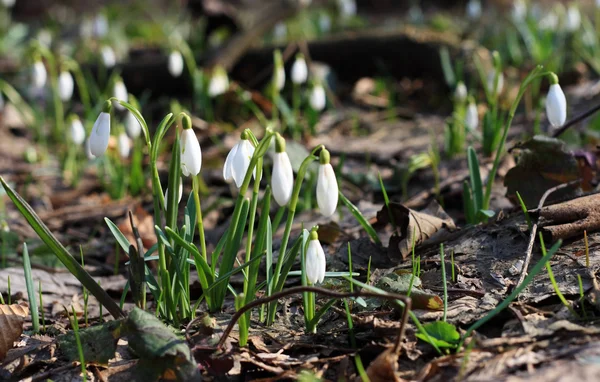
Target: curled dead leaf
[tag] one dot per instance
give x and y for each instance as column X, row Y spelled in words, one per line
column 11, row 326
column 384, row 368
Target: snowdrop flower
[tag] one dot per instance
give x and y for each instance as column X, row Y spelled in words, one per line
column 123, row 145
column 460, row 93
column 120, row 93
column 76, row 131
column 347, row 8
column 38, row 74
column 88, row 150
column 490, row 82
column 219, row 82
column 299, row 70
column 280, row 31
column 327, row 187
column 179, row 194
column 282, row 179
column 98, row 141
column 549, row 22
column 315, row 260
column 474, row 9
column 44, row 37
column 519, row 10
column 279, row 71
column 8, row 3
column 1, row 102
column 317, row 99
column 325, row 22
column 175, row 63
column 238, row 161
column 65, row 85
column 556, row 103
column 132, row 126
column 191, row 155
column 108, row 56
column 472, row 116
column 597, row 3
column 100, row 25
column 573, row 21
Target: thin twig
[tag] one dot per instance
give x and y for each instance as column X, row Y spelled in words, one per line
column 326, row 292
column 534, row 228
column 575, row 120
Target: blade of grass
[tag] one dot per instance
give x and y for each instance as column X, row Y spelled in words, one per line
column 360, row 218
column 35, row 321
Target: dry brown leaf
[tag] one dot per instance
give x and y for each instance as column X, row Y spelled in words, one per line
column 11, row 326
column 384, row 368
column 145, row 225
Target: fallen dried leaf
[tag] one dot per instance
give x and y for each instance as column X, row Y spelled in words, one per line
column 384, row 367
column 145, row 225
column 11, row 326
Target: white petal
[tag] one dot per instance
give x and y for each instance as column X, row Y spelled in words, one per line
column 556, row 106
column 132, row 125
column 175, row 63
column 299, row 71
column 490, row 82
column 327, row 190
column 191, row 156
column 77, row 131
column 108, row 56
column 282, row 180
column 228, row 166
column 322, row 263
column 315, row 266
column 180, row 193
column 65, row 86
column 472, row 117
column 279, row 78
column 460, row 93
column 38, row 75
column 100, row 135
column 318, row 100
column 241, row 161
column 218, row 85
column 120, row 93
column 123, row 145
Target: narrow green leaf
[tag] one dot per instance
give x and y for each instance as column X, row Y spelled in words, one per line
column 30, row 291
column 476, row 185
column 119, row 237
column 360, row 218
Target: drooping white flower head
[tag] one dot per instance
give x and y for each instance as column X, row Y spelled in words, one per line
column 327, row 187
column 175, row 63
column 282, row 179
column 38, row 75
column 573, row 20
column 474, row 9
column 549, row 21
column 460, row 93
column 100, row 134
column 238, row 161
column 76, row 131
column 280, row 31
column 8, row 3
column 179, row 194
column 471, row 116
column 519, row 10
column 299, row 70
column 278, row 70
column 318, row 98
column 191, row 155
column 120, row 93
column 219, row 82
column 491, row 77
column 325, row 22
column 65, row 85
column 123, row 145
column 556, row 103
column 132, row 126
column 44, row 36
column 347, row 8
column 100, row 28
column 315, row 260
column 109, row 59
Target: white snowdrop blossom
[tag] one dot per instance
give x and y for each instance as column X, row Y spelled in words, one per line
column 76, row 131
column 109, row 59
column 573, row 20
column 491, row 77
column 325, row 22
column 556, row 104
column 282, row 179
column 179, row 194
column 327, row 187
column 100, row 135
column 460, row 93
column 474, row 9
column 519, row 10
column 280, row 31
column 175, row 63
column 120, row 93
column 191, row 155
column 38, row 75
column 549, row 21
column 471, row 116
column 347, row 8
column 238, row 161
column 299, row 70
column 123, row 145
column 8, row 3
column 65, row 85
column 317, row 99
column 100, row 25
column 219, row 82
column 132, row 126
column 315, row 260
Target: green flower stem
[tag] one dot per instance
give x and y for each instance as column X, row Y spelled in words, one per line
column 200, row 222
column 277, row 281
column 535, row 73
column 84, row 93
column 253, row 206
column 56, row 101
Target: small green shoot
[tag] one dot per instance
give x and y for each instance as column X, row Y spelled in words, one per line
column 445, row 286
column 553, row 280
column 41, row 306
column 75, row 326
column 35, row 321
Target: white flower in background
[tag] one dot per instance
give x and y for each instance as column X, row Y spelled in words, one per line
column 219, row 82
column 132, row 126
column 120, row 93
column 472, row 116
column 8, row 3
column 65, row 85
column 191, row 155
column 299, row 70
column 179, row 194
column 38, row 75
column 549, row 21
column 588, row 37
column 597, row 3
column 315, row 260
column 474, row 9
column 519, row 10
column 325, row 23
column 415, row 14
column 491, row 77
column 123, row 145
column 109, row 59
column 86, row 28
column 282, row 179
column 238, row 161
column 347, row 8
column 573, row 21
column 76, row 131
column 100, row 25
column 100, row 134
column 317, row 99
column 556, row 103
column 327, row 187
column 175, row 63
column 1, row 102
column 460, row 93
column 280, row 31
column 45, row 37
